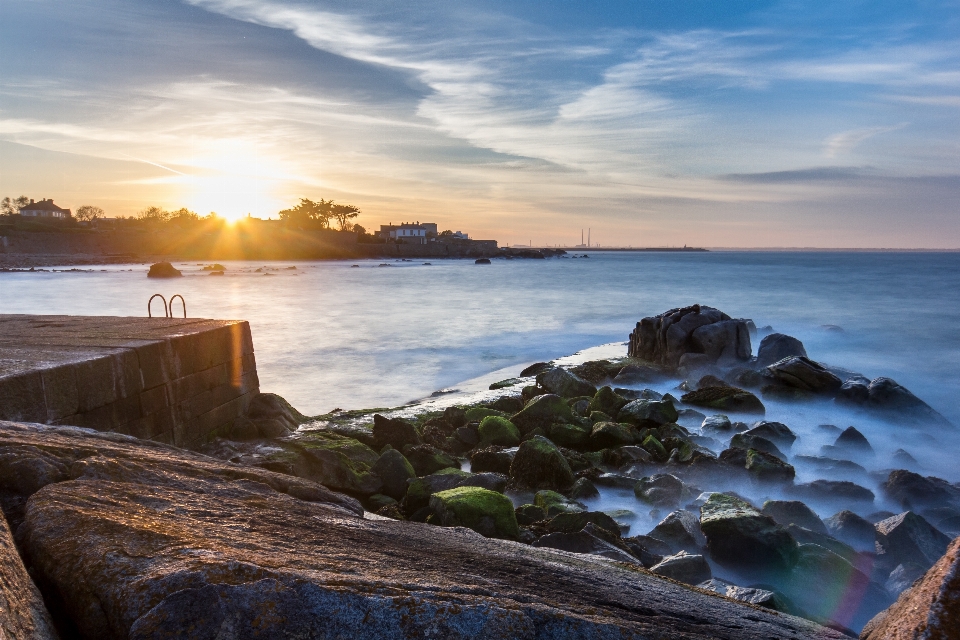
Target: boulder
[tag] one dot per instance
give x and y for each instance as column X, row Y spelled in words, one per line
column 759, row 597
column 637, row 373
column 716, row 425
column 476, row 414
column 395, row 470
column 394, row 432
column 648, row 413
column 842, row 491
column 777, row 346
column 23, row 613
column 730, row 399
column 907, row 538
column 527, row 514
column 571, row 522
column 419, row 490
column 554, row 503
column 335, row 461
column 607, row 401
column 661, row 490
column 740, row 536
column 142, row 540
column 583, row 489
column 542, row 411
column 845, row 551
column 665, row 338
column 427, row 459
column 497, row 430
column 683, row 567
column 492, row 459
column 903, row 459
column 273, row 415
column 850, row 528
column 768, row 468
column 787, row 512
column 492, row 481
column 539, row 464
column 163, row 270
column 885, row 394
column 902, row 578
column 759, row 443
column 568, row 435
column 912, row 491
column 565, row 384
column 776, row 432
column 853, row 393
column 802, row 373
column 680, row 530
column 612, row 434
column 585, row 542
column 929, row 609
column 487, row 512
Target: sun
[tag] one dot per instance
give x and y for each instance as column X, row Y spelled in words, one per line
column 232, row 196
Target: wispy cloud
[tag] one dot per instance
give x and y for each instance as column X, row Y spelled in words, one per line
column 845, row 141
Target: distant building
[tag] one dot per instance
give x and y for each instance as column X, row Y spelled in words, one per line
column 44, row 209
column 409, row 232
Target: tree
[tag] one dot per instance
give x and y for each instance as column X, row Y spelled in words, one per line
column 444, row 234
column 342, row 213
column 153, row 214
column 309, row 213
column 182, row 216
column 11, row 207
column 89, row 213
column 360, row 231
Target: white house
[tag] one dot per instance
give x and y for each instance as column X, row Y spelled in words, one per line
column 409, row 232
column 44, row 209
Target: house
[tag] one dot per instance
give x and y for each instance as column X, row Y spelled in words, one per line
column 409, row 232
column 44, row 209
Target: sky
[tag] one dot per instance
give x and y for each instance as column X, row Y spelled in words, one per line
column 650, row 123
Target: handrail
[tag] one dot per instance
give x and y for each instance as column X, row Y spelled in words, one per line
column 166, row 313
column 182, row 301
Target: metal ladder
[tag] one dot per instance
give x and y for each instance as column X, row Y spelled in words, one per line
column 167, row 307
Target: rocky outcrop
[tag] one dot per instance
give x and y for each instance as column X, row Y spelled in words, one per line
column 739, row 535
column 22, row 611
column 929, row 609
column 565, row 384
column 684, row 567
column 163, row 270
column 697, row 329
column 777, row 346
column 729, row 399
column 140, row 540
column 802, row 373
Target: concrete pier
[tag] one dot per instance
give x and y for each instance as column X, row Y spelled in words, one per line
column 179, row 381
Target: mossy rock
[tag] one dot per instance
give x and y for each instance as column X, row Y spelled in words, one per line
column 612, row 434
column 554, row 503
column 768, row 468
column 648, row 413
column 420, row 489
column 427, row 459
column 725, row 399
column 608, row 401
column 542, row 411
column 539, row 464
column 655, row 448
column 487, row 512
column 339, row 463
column 568, row 435
column 599, row 416
column 572, row 522
column 527, row 514
column 378, row 501
column 476, row 414
column 395, row 471
column 503, row 384
column 498, row 430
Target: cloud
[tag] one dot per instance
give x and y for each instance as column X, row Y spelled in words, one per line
column 846, row 141
column 814, row 174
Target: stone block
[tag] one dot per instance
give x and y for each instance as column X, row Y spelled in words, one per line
column 60, row 392
column 21, row 397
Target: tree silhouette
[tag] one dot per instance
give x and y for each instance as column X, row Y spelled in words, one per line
column 342, row 213
column 12, row 207
column 309, row 213
column 89, row 213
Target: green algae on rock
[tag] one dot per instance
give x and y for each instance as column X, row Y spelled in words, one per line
column 498, row 430
column 487, row 512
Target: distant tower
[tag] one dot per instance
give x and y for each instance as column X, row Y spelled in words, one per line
column 588, row 236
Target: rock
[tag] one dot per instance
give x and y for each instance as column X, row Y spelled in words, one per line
column 758, row 597
column 573, row 521
column 541, row 411
column 680, row 530
column 665, row 338
column 497, row 430
column 776, row 432
column 612, row 434
column 725, row 399
column 853, row 393
column 787, row 512
column 585, row 542
column 527, row 514
column 683, row 567
column 886, row 395
column 802, row 373
column 476, row 414
column 692, row 363
column 456, row 416
column 853, row 441
column 337, row 462
column 740, row 536
column 395, row 470
column 768, row 468
column 777, row 346
column 825, row 466
column 565, row 384
column 903, row 459
column 850, row 528
column 930, row 609
column 23, row 613
column 380, row 502
column 912, row 491
column 607, row 401
column 394, row 432
column 744, row 441
column 273, row 415
column 845, row 551
column 717, row 425
column 648, row 413
column 902, row 578
column 143, row 540
column 637, row 374
column 419, row 490
column 908, row 537
column 503, row 384
column 426, row 459
column 661, row 490
column 833, row 491
column 244, row 429
column 487, row 512
column 163, row 270
column 493, row 459
column 583, row 488
column 486, row 480
column 554, row 503
column 568, row 435
column 538, row 464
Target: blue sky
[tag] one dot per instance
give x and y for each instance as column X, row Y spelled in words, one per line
column 653, row 123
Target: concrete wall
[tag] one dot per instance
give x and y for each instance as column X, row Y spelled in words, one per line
column 179, row 381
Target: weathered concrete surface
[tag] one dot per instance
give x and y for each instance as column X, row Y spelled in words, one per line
column 179, row 381
column 22, row 612
column 143, row 541
column 929, row 609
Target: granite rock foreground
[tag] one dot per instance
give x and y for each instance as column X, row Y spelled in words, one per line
column 132, row 539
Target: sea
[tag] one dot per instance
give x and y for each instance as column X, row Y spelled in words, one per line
column 430, row 333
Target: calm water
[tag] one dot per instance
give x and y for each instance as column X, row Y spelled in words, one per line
column 329, row 335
